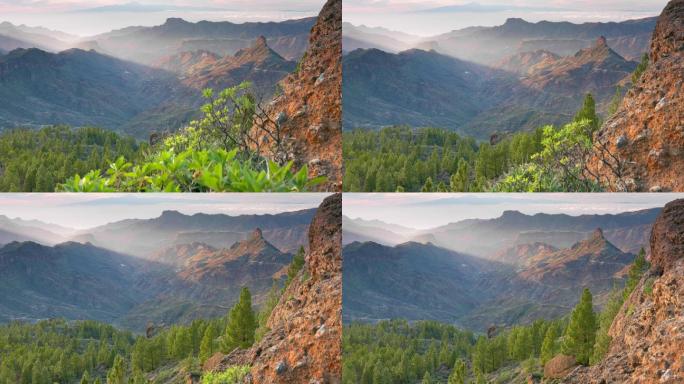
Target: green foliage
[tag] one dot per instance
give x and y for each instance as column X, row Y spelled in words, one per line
column 580, row 335
column 295, row 266
column 427, row 379
column 117, row 374
column 637, row 270
column 398, row 352
column 640, row 69
column 587, row 114
column 612, row 307
column 36, row 160
column 241, row 324
column 560, row 166
column 276, row 292
column 220, row 152
column 403, row 159
column 233, row 375
column 208, row 344
column 193, row 171
column 615, row 101
column 549, row 346
column 458, row 375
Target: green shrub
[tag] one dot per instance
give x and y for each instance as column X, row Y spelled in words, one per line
column 193, row 171
column 233, row 375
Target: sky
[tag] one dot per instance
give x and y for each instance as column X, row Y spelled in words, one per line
column 91, row 17
column 432, row 17
column 82, row 211
column 425, row 211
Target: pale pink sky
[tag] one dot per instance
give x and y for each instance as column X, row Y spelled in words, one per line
column 86, row 17
column 422, row 17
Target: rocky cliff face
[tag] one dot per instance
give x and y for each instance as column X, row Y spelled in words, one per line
column 648, row 332
column 309, row 111
column 305, row 340
column 647, row 132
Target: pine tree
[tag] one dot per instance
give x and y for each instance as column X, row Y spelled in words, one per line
column 635, row 272
column 295, row 266
column 207, row 344
column 458, row 375
column 427, row 379
column 480, row 379
column 643, row 64
column 548, row 348
column 427, row 187
column 241, row 324
column 117, row 375
column 580, row 334
column 615, row 101
column 85, row 379
column 588, row 112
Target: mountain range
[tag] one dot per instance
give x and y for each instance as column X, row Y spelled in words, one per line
column 523, row 91
column 423, row 281
column 139, row 80
column 503, row 271
column 629, row 231
column 167, row 270
column 489, row 45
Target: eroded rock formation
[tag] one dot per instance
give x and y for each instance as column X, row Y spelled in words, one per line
column 647, row 131
column 309, row 110
column 304, row 344
column 648, row 332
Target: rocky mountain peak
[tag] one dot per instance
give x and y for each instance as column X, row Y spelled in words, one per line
column 257, row 234
column 309, row 111
column 668, row 36
column 597, row 235
column 601, row 42
column 260, row 41
column 304, row 341
column 645, row 135
column 648, row 331
column 667, row 236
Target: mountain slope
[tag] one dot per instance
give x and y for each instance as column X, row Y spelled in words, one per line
column 304, row 341
column 150, row 44
column 489, row 45
column 86, row 88
column 207, row 281
column 485, row 237
column 258, row 64
column 144, row 237
column 646, row 131
column 309, row 110
column 69, row 280
column 414, row 87
column 412, row 281
column 648, row 331
column 416, row 281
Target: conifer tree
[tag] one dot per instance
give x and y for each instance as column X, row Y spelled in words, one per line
column 207, row 344
column 588, row 112
column 241, row 324
column 85, row 379
column 580, row 334
column 427, row 379
column 635, row 272
column 117, row 374
column 428, row 187
column 548, row 348
column 458, row 375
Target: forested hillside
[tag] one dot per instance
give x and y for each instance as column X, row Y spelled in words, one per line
column 92, row 352
column 547, row 159
column 429, row 352
column 37, row 160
